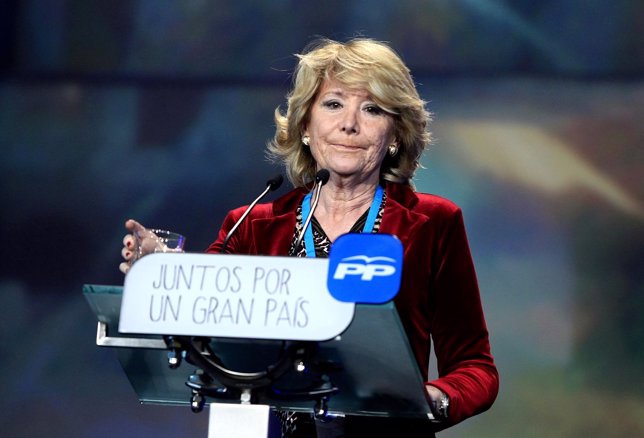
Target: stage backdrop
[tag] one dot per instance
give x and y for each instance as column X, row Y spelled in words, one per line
column 161, row 111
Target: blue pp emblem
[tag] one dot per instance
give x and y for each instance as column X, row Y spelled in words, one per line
column 365, row 268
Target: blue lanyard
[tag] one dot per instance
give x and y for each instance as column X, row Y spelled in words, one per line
column 309, row 245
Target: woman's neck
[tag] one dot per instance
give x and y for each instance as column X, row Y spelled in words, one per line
column 337, row 202
column 341, row 205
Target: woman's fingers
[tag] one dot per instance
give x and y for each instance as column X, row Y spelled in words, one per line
column 135, row 246
column 129, row 241
column 127, row 254
column 139, row 242
column 133, row 225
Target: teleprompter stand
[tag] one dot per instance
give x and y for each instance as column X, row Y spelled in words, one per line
column 368, row 371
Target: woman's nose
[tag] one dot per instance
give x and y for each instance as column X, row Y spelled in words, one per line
column 350, row 122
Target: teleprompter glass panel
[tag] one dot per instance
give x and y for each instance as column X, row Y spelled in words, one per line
column 374, row 370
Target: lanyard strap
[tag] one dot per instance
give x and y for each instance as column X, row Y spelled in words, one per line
column 309, row 244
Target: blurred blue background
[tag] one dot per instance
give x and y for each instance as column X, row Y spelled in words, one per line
column 160, row 110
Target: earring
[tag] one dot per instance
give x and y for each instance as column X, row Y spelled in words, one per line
column 306, row 140
column 393, row 149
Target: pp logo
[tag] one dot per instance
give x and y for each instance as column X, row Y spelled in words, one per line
column 365, row 268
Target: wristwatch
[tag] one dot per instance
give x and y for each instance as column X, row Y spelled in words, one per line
column 441, row 406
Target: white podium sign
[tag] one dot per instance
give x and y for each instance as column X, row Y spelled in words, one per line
column 234, row 296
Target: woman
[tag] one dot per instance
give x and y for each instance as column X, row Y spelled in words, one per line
column 354, row 110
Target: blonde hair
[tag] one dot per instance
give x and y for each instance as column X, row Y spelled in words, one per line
column 358, row 64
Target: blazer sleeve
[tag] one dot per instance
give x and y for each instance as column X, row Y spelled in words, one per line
column 466, row 370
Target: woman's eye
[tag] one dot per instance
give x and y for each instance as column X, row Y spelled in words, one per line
column 332, row 104
column 374, row 109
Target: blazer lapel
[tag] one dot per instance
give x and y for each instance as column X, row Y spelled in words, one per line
column 398, row 218
column 272, row 234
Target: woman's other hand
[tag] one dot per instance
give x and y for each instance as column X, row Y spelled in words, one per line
column 138, row 242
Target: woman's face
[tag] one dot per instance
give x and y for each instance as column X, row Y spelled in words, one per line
column 349, row 132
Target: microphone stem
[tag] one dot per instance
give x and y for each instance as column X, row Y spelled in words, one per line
column 316, row 198
column 243, row 216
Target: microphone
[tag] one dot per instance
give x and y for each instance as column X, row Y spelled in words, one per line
column 321, row 178
column 271, row 185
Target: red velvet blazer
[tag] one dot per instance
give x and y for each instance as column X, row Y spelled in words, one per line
column 439, row 295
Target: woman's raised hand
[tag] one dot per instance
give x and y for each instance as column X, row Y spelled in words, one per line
column 139, row 242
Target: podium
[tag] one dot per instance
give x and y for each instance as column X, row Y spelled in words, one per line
column 367, row 374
